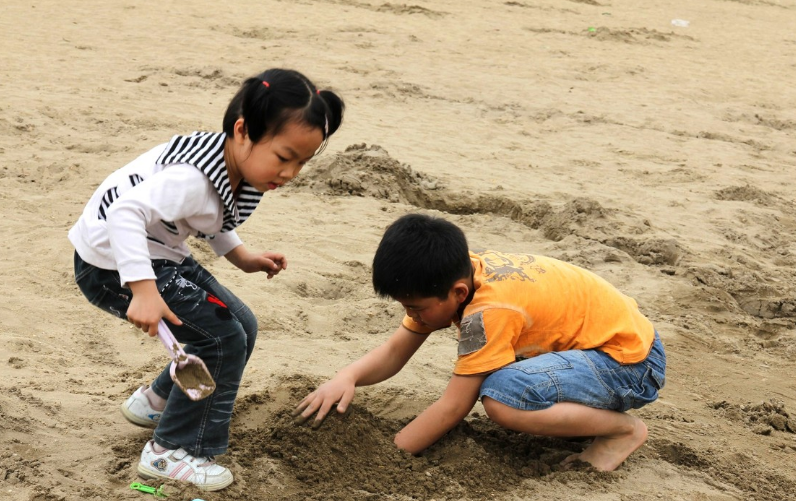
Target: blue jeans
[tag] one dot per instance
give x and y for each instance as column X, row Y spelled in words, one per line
column 588, row 377
column 217, row 327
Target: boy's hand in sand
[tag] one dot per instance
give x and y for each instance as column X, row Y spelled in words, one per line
column 147, row 307
column 270, row 262
column 339, row 391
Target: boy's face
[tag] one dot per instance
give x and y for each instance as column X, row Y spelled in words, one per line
column 434, row 312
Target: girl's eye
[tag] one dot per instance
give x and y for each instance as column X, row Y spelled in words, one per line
column 281, row 158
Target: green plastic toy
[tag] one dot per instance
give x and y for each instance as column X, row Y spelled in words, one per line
column 158, row 493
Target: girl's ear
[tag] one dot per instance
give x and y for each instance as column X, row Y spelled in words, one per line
column 240, row 131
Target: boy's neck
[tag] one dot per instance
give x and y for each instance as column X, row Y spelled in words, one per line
column 463, row 305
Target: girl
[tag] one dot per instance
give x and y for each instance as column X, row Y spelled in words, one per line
column 131, row 259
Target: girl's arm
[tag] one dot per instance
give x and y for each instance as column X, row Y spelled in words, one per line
column 269, row 262
column 178, row 192
column 147, row 307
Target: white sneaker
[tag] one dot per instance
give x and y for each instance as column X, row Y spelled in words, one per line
column 137, row 410
column 203, row 472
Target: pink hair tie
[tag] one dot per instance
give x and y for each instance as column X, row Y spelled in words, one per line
column 266, row 83
column 318, row 91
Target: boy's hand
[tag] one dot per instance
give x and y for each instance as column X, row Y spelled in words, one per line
column 377, row 365
column 270, row 262
column 339, row 390
column 147, row 307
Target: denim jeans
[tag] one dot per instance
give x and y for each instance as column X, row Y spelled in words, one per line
column 217, row 327
column 588, row 377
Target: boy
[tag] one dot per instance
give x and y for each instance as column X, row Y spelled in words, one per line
column 550, row 348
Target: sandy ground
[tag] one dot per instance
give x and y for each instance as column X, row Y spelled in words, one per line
column 661, row 157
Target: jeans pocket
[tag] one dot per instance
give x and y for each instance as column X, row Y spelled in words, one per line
column 82, row 270
column 90, row 286
column 644, row 392
column 114, row 302
column 659, row 378
column 98, row 297
column 548, row 362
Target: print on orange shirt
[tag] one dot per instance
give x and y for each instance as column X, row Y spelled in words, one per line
column 500, row 267
column 525, row 305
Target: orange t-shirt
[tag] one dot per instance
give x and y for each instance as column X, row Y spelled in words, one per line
column 526, row 305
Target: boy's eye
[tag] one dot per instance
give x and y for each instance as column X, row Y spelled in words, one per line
column 281, row 158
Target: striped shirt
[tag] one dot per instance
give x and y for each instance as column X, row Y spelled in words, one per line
column 148, row 208
column 205, row 151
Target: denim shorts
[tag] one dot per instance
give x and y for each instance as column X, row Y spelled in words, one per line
column 588, row 377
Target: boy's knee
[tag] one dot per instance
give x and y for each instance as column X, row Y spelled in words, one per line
column 496, row 411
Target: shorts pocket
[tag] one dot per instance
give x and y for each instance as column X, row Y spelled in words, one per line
column 658, row 377
column 540, row 396
column 643, row 393
column 549, row 362
column 543, row 381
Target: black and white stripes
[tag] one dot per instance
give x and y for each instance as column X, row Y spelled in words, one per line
column 112, row 194
column 205, row 151
column 107, row 199
column 135, row 179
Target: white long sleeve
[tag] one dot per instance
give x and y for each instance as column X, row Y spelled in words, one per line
column 150, row 210
column 181, row 195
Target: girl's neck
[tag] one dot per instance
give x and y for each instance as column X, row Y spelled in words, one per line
column 232, row 169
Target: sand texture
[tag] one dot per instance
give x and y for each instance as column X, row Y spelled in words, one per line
column 661, row 157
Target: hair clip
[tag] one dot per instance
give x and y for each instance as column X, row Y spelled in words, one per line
column 318, row 91
column 266, row 83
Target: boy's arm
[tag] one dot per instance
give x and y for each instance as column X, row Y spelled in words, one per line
column 459, row 398
column 374, row 367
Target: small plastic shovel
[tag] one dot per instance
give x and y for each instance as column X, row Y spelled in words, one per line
column 188, row 372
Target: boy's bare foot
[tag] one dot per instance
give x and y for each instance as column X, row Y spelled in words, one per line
column 608, row 452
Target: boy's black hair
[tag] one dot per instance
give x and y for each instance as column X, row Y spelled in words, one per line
column 269, row 101
column 420, row 256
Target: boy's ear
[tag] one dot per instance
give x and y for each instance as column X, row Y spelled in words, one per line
column 461, row 290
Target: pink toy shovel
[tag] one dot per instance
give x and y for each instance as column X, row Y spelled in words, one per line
column 187, row 371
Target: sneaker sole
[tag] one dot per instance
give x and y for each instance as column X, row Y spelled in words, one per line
column 148, row 474
column 146, row 423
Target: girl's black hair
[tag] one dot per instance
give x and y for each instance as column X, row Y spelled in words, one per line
column 276, row 97
column 420, row 256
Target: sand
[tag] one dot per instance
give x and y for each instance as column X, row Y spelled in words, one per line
column 661, row 157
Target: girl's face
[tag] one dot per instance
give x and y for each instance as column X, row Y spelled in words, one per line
column 274, row 160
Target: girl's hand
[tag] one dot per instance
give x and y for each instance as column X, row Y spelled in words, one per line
column 269, row 262
column 148, row 307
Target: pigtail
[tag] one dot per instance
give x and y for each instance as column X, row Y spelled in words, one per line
column 255, row 106
column 335, row 107
column 277, row 96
